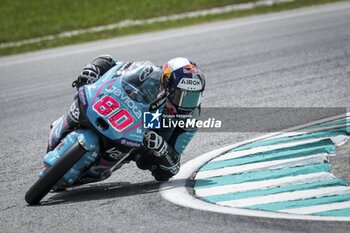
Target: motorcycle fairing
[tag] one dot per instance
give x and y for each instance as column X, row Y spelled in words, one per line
column 108, row 92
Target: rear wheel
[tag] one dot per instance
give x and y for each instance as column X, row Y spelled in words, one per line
column 43, row 186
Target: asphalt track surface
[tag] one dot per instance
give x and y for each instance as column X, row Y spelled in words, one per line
column 293, row 59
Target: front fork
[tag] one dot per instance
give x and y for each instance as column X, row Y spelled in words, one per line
column 88, row 139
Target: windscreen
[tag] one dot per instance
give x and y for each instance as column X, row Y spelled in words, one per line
column 141, row 82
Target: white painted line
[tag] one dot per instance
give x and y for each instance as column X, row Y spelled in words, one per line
column 255, row 150
column 265, row 184
column 340, row 140
column 313, row 130
column 318, row 208
column 289, row 196
column 174, row 33
column 269, row 165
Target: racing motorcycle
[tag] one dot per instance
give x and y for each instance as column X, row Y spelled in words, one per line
column 113, row 108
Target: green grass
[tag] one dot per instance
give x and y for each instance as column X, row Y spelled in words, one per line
column 44, row 17
column 23, row 19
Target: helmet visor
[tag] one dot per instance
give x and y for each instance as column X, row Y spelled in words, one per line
column 186, row 99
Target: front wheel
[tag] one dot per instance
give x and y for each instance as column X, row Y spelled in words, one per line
column 43, row 186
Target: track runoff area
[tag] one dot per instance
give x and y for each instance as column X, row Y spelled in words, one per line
column 280, row 175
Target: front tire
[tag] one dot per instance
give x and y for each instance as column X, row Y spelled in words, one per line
column 43, row 186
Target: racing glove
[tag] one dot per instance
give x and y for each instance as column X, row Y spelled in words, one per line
column 90, row 74
column 156, row 143
column 167, row 161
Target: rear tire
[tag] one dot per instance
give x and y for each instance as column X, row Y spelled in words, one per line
column 43, row 186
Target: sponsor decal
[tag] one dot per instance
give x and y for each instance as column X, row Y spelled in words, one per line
column 129, row 143
column 132, row 105
column 157, row 103
column 82, row 97
column 190, row 69
column 94, row 155
column 114, row 153
column 190, row 84
column 145, row 73
column 74, row 111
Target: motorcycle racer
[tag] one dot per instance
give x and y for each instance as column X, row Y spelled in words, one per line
column 173, row 89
